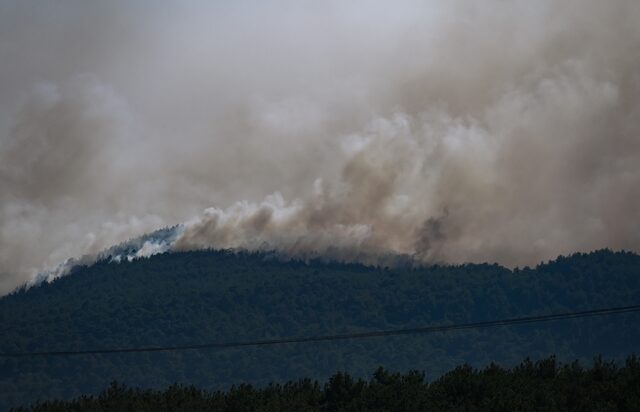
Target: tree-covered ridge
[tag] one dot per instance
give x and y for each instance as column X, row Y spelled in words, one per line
column 219, row 296
column 530, row 386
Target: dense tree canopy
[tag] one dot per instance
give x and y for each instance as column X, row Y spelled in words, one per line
column 530, row 386
column 219, row 296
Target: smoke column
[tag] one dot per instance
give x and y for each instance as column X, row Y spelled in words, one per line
column 449, row 131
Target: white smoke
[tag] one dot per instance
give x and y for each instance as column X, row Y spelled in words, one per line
column 447, row 131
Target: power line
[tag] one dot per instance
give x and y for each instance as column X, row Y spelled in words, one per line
column 346, row 336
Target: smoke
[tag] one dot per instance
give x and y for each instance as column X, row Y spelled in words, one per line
column 447, row 131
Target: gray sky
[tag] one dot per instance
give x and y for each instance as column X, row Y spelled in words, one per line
column 454, row 131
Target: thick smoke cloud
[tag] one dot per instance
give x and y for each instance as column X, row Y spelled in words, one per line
column 446, row 131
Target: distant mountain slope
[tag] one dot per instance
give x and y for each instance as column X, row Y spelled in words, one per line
column 197, row 297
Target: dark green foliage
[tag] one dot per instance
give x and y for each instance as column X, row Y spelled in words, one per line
column 218, row 296
column 530, row 386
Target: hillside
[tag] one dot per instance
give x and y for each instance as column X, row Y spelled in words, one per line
column 208, row 296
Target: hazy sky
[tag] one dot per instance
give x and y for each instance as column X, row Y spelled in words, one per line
column 449, row 130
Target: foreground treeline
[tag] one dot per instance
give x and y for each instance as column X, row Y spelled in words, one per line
column 542, row 385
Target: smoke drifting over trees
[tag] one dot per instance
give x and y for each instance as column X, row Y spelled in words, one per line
column 450, row 131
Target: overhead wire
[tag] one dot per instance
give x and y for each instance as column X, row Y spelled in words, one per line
column 335, row 337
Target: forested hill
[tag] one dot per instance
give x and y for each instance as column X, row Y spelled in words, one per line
column 218, row 296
